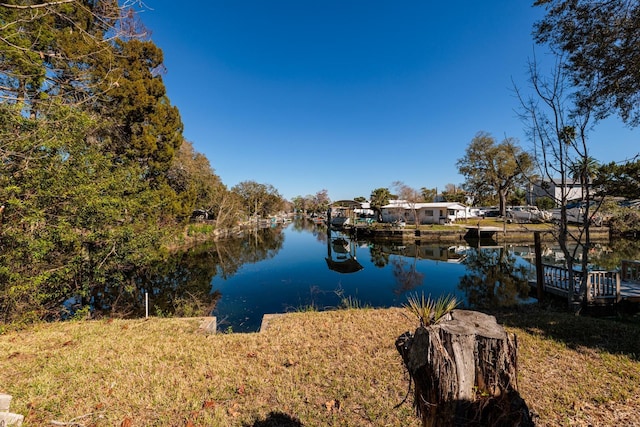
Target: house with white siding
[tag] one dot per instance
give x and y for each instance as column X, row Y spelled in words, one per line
column 572, row 190
column 426, row 213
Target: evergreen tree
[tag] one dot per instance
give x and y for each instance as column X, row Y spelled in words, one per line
column 72, row 220
column 144, row 127
column 621, row 180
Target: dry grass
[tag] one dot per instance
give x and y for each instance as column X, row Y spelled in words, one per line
column 338, row 368
column 318, row 368
column 576, row 370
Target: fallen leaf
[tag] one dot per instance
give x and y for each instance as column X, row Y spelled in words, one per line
column 126, row 422
column 240, row 390
column 329, row 405
column 233, row 411
column 332, row 405
column 208, row 404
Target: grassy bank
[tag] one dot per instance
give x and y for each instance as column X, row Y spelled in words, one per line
column 505, row 232
column 320, row 368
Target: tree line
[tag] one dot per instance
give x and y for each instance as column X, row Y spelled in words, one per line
column 95, row 173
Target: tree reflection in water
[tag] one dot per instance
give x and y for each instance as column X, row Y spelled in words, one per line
column 379, row 257
column 406, row 275
column 318, row 230
column 493, row 278
column 610, row 256
column 181, row 284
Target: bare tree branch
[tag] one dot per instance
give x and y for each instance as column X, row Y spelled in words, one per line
column 36, row 6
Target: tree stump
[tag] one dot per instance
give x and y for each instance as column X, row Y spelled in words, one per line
column 464, row 370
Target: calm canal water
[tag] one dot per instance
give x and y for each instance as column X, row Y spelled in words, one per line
column 301, row 267
column 309, row 268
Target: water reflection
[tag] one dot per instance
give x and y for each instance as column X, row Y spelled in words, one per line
column 228, row 256
column 304, row 265
column 405, row 265
column 494, row 278
column 174, row 285
column 609, row 256
column 181, row 284
column 341, row 253
column 406, row 274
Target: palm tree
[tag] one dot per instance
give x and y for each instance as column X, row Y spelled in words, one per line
column 379, row 198
column 584, row 170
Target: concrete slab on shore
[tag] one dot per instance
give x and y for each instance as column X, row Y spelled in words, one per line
column 266, row 319
column 209, row 325
column 7, row 418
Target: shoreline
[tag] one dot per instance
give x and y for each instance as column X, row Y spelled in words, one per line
column 510, row 234
column 455, row 233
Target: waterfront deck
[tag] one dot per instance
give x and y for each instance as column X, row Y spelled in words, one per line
column 481, row 232
column 603, row 287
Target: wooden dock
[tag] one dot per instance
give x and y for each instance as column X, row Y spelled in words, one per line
column 603, row 287
column 481, row 232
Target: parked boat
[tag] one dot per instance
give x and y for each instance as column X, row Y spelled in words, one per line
column 340, row 221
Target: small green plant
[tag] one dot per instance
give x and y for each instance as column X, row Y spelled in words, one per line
column 430, row 311
column 198, row 229
column 188, row 306
column 351, row 303
column 309, row 308
column 83, row 313
column 480, row 393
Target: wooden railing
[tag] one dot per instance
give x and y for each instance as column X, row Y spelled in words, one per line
column 600, row 284
column 630, row 271
column 603, row 284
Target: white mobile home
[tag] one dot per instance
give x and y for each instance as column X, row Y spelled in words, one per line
column 427, row 213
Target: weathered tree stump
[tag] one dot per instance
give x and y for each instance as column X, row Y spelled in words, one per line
column 464, row 370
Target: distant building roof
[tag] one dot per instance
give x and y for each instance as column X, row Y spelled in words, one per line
column 347, row 204
column 558, row 181
column 408, row 205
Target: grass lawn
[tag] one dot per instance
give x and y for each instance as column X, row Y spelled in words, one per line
column 337, row 368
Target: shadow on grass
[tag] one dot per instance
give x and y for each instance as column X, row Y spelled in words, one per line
column 277, row 419
column 615, row 333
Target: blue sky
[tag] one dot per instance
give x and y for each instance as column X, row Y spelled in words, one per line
column 350, row 95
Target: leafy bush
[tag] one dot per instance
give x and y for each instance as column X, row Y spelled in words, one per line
column 545, row 203
column 430, row 311
column 625, row 221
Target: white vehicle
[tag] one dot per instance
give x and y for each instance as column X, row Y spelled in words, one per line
column 527, row 214
column 575, row 214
